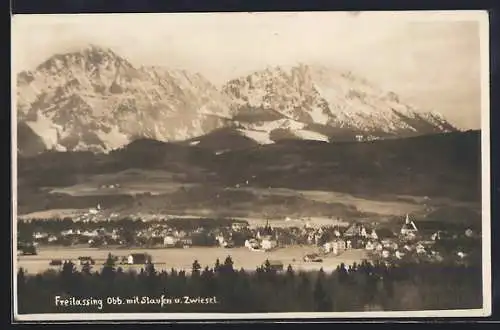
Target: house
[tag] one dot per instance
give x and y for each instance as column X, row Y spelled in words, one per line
column 221, row 240
column 354, row 230
column 461, row 254
column 384, row 233
column 93, row 233
column 310, row 238
column 29, row 250
column 275, row 265
column 138, row 258
column 252, row 244
column 170, row 241
column 226, row 242
column 335, row 246
column 469, row 233
column 67, row 232
column 39, row 235
column 385, row 253
column 95, row 210
column 409, row 228
column 436, row 236
column 373, row 235
column 338, row 245
column 268, row 244
column 369, row 246
column 85, row 261
column 363, row 232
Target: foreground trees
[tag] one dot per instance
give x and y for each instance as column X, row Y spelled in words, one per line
column 225, row 289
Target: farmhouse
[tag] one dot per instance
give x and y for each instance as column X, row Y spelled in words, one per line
column 238, row 226
column 356, row 230
column 252, row 244
column 469, row 233
column 268, row 244
column 399, row 254
column 170, row 241
column 389, row 244
column 420, row 248
column 275, row 265
column 336, row 246
column 39, row 235
column 186, row 241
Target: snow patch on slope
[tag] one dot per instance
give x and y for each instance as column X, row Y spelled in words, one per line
column 272, row 125
column 258, row 136
column 318, row 116
column 114, row 139
column 48, row 132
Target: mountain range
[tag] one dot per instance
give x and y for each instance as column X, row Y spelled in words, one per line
column 95, row 100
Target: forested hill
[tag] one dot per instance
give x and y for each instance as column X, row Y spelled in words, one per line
column 446, row 165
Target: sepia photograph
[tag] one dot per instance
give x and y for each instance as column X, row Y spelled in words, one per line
column 279, row 165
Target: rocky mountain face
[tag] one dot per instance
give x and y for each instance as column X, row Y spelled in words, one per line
column 317, row 103
column 94, row 100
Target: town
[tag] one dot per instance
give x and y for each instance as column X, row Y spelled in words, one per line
column 390, row 243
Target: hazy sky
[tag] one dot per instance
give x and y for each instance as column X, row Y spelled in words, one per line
column 431, row 59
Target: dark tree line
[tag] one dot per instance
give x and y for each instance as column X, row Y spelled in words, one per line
column 363, row 287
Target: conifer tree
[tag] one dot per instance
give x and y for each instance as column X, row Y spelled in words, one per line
column 217, row 265
column 228, row 265
column 108, row 271
column 196, row 267
column 68, row 276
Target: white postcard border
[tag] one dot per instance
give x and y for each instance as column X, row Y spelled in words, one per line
column 483, row 19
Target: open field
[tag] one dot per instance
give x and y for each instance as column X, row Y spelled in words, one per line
column 388, row 207
column 183, row 258
column 130, row 182
column 260, row 203
column 54, row 213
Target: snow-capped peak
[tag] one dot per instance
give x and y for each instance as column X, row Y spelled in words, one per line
column 330, row 100
column 93, row 99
